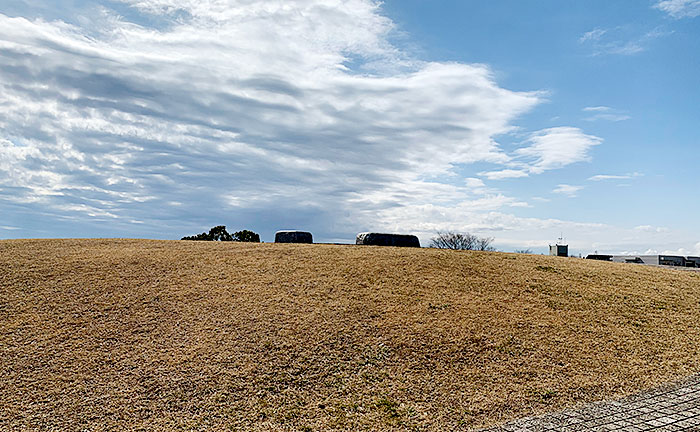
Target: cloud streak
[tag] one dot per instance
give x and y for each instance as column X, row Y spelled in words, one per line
column 603, row 177
column 570, row 191
column 605, row 113
column 680, row 8
column 592, row 35
column 620, row 40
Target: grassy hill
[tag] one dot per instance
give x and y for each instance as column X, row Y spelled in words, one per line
column 129, row 334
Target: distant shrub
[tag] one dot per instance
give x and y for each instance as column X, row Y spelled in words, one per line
column 461, row 241
column 219, row 233
column 523, row 251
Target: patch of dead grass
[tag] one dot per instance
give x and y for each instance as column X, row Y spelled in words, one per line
column 154, row 335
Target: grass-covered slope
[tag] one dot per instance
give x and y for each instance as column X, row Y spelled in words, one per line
column 129, row 334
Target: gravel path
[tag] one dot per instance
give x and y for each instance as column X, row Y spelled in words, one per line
column 674, row 407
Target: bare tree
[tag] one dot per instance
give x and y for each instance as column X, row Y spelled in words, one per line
column 484, row 244
column 461, row 241
column 523, row 251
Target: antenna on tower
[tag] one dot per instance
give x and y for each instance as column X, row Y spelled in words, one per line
column 560, row 240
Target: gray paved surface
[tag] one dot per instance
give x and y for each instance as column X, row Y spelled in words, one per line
column 670, row 408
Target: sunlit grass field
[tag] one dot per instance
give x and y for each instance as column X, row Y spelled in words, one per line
column 175, row 335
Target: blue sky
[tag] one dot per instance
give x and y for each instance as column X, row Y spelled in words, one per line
column 520, row 120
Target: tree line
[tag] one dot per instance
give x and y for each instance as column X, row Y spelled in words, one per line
column 219, row 233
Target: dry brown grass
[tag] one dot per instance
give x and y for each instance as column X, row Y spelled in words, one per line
column 158, row 335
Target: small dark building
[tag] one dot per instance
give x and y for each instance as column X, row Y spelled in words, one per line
column 290, row 236
column 672, row 260
column 559, row 250
column 692, row 261
column 667, row 260
column 383, row 239
column 599, row 257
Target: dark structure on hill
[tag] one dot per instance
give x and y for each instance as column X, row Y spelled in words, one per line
column 292, row 236
column 599, row 257
column 658, row 260
column 692, row 261
column 559, row 250
column 669, row 260
column 383, row 239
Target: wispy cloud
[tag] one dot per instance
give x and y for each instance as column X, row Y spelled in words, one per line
column 505, row 174
column 620, row 40
column 609, row 117
column 570, row 191
column 603, row 177
column 597, row 109
column 651, row 229
column 592, row 35
column 680, row 8
column 605, row 113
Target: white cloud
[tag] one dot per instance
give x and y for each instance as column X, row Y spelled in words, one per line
column 592, row 35
column 603, row 177
column 680, row 8
column 620, row 41
column 504, row 174
column 556, row 148
column 295, row 113
column 609, row 117
column 569, row 190
column 477, row 186
column 605, row 113
column 513, row 232
column 624, row 48
column 651, row 229
column 597, row 109
column 678, row 252
column 474, row 183
column 282, row 108
column 547, row 149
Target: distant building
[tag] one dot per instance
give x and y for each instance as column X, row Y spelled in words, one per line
column 660, row 260
column 559, row 250
column 599, row 257
column 692, row 261
column 668, row 260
